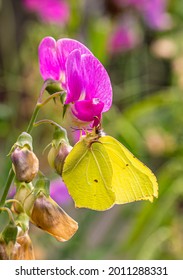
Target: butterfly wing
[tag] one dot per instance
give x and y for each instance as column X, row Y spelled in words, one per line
column 132, row 180
column 87, row 174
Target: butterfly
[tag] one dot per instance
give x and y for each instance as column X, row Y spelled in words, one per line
column 100, row 172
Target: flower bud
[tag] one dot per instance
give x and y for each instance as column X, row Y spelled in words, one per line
column 22, row 249
column 7, row 241
column 59, row 150
column 50, row 217
column 53, row 87
column 24, row 191
column 3, row 250
column 25, row 164
column 56, row 156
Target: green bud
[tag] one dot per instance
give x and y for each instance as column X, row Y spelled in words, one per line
column 57, row 156
column 53, row 87
column 9, row 234
column 22, row 221
column 42, row 185
column 23, row 191
column 59, row 150
column 24, row 140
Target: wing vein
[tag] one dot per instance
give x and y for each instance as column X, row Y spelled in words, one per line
column 131, row 171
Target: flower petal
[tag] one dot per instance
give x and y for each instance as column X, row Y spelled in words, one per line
column 74, row 82
column 88, row 110
column 54, row 11
column 51, row 11
column 65, row 47
column 49, row 66
column 97, row 81
column 50, row 217
column 59, row 192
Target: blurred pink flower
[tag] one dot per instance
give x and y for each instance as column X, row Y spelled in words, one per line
column 51, row 11
column 12, row 191
column 83, row 77
column 59, row 192
column 125, row 36
column 154, row 12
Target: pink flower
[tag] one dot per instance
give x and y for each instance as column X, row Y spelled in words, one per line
column 51, row 11
column 125, row 36
column 88, row 86
column 153, row 11
column 83, row 77
column 59, row 192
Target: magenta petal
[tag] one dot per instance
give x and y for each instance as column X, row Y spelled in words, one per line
column 74, row 81
column 87, row 110
column 59, row 192
column 65, row 47
column 54, row 11
column 49, row 66
column 97, row 81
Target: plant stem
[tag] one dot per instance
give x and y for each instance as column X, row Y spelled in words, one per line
column 11, row 174
column 33, row 118
column 54, row 95
column 7, row 186
column 30, row 126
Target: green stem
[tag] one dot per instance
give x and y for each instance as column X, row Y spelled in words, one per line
column 30, row 126
column 56, row 94
column 33, row 118
column 9, row 213
column 7, row 186
column 49, row 122
column 11, row 172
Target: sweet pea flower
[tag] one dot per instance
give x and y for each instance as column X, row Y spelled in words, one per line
column 53, row 55
column 125, row 36
column 59, row 192
column 153, row 11
column 82, row 76
column 50, row 11
column 88, row 86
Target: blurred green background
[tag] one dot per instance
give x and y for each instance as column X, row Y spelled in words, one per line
column 146, row 116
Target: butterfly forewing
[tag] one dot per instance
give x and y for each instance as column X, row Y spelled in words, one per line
column 87, row 174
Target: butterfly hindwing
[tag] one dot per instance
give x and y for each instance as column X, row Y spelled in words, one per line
column 132, row 180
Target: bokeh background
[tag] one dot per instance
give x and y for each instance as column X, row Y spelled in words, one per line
column 140, row 43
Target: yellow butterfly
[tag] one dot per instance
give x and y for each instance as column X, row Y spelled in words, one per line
column 100, row 172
